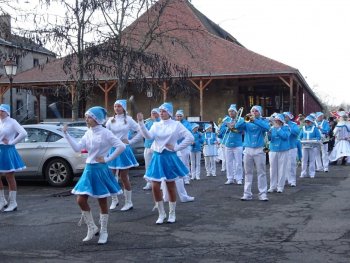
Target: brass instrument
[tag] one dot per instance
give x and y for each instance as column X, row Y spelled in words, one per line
column 249, row 118
column 238, row 116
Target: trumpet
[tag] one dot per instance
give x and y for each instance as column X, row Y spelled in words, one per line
column 249, row 118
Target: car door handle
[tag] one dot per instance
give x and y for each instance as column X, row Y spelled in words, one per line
column 40, row 147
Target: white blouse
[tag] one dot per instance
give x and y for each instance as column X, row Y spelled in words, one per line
column 97, row 141
column 121, row 129
column 11, row 130
column 167, row 132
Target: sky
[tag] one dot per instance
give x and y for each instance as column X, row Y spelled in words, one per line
column 310, row 35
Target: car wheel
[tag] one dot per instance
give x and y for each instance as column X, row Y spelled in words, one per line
column 58, row 172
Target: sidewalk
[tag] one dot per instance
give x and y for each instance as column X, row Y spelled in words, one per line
column 308, row 223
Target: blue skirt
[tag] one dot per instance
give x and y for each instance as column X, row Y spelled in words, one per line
column 165, row 166
column 125, row 160
column 97, row 181
column 10, row 160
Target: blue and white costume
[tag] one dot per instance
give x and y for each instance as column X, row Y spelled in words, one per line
column 196, row 152
column 310, row 139
column 209, row 150
column 279, row 154
column 11, row 132
column 322, row 160
column 120, row 125
column 148, row 152
column 254, row 134
column 97, row 179
column 342, row 140
column 10, row 129
column 232, row 140
column 165, row 164
column 293, row 148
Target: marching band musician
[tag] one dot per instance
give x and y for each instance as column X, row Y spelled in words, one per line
column 148, row 152
column 279, row 155
column 231, row 138
column 293, row 148
column 209, row 149
column 185, row 153
column 342, row 139
column 324, row 128
column 309, row 137
column 196, row 152
column 254, row 133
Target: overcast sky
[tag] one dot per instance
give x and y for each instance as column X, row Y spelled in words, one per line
column 310, row 35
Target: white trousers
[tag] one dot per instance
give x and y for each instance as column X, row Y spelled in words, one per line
column 291, row 176
column 308, row 159
column 210, row 165
column 185, row 158
column 234, row 167
column 196, row 164
column 147, row 154
column 322, row 161
column 257, row 157
column 279, row 167
column 180, row 189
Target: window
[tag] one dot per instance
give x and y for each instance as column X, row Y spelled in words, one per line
column 36, row 135
column 35, row 62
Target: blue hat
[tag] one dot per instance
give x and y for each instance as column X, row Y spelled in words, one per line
column 232, row 107
column 180, row 112
column 97, row 113
column 288, row 114
column 155, row 110
column 121, row 103
column 195, row 125
column 258, row 108
column 168, row 107
column 280, row 117
column 5, row 108
column 310, row 118
column 318, row 114
column 207, row 126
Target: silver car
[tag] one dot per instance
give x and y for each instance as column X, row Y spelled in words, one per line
column 47, row 154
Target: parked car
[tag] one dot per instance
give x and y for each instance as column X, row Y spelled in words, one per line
column 47, row 154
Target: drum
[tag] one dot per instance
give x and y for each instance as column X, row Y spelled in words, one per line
column 210, row 150
column 308, row 144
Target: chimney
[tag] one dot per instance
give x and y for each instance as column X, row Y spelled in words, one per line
column 5, row 27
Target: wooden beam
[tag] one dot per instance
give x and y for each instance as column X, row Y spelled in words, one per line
column 201, row 88
column 3, row 90
column 165, row 89
column 291, row 108
column 106, row 89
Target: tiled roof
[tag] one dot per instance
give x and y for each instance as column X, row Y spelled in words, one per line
column 200, row 44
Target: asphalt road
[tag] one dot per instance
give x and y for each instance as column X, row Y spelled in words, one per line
column 308, row 223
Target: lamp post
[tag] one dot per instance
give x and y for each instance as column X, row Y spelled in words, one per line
column 11, row 69
column 149, row 94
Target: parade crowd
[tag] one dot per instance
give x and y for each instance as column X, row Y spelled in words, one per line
column 173, row 152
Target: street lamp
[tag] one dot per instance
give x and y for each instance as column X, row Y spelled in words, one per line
column 10, row 69
column 149, row 94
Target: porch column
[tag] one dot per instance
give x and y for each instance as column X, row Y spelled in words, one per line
column 201, row 87
column 106, row 89
column 291, row 108
column 165, row 89
column 3, row 90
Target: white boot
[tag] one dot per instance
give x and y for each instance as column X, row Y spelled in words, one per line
column 128, row 203
column 89, row 221
column 148, row 186
column 3, row 202
column 161, row 211
column 103, row 231
column 12, row 206
column 172, row 216
column 115, row 202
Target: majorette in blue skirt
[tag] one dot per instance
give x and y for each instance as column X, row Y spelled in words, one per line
column 10, row 160
column 125, row 160
column 165, row 166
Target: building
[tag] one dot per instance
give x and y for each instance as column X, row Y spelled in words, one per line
column 222, row 70
column 27, row 55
